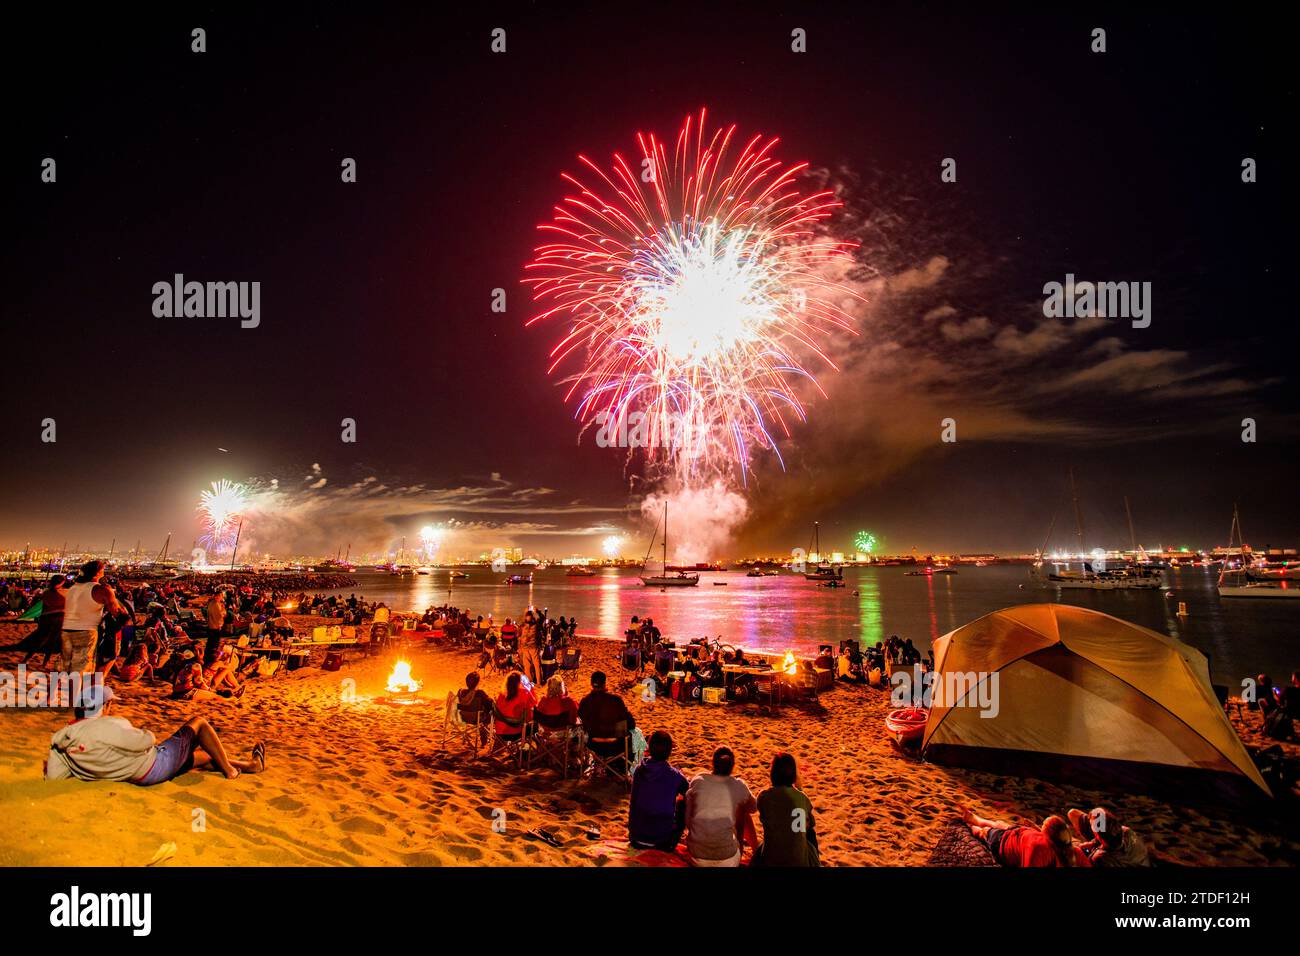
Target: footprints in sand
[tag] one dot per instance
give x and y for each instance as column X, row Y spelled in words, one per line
column 363, row 825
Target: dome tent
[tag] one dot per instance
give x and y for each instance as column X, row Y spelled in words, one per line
column 1076, row 695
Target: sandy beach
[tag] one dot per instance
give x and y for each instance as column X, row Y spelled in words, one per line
column 351, row 781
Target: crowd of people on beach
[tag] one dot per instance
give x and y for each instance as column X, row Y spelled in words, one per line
column 200, row 636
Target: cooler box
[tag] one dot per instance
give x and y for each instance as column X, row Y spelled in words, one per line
column 318, row 633
column 714, row 695
column 335, row 632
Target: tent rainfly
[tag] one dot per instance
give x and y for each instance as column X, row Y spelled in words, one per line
column 1066, row 693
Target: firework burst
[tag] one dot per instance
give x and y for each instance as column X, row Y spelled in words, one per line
column 221, row 508
column 695, row 287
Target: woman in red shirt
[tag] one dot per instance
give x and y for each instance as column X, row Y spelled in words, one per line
column 560, row 709
column 514, row 707
column 1022, row 846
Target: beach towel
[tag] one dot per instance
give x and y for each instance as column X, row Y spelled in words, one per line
column 33, row 612
column 639, row 747
column 957, row 846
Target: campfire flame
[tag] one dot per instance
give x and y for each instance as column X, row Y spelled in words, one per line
column 400, row 680
column 789, row 665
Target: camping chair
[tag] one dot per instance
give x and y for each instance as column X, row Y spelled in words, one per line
column 617, row 744
column 555, row 742
column 570, row 658
column 502, row 660
column 467, row 728
column 632, row 660
column 516, row 748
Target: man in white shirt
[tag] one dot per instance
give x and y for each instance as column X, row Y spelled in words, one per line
column 85, row 602
column 719, row 811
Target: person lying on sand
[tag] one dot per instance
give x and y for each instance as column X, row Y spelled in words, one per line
column 99, row 746
column 1022, row 846
column 1107, row 842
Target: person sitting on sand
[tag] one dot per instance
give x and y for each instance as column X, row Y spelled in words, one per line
column 98, row 746
column 1274, row 722
column 606, row 719
column 514, row 708
column 789, row 836
column 190, row 684
column 1022, row 846
column 719, row 814
column 656, row 813
column 1289, row 698
column 1107, row 842
column 132, row 667
column 221, row 674
column 846, row 669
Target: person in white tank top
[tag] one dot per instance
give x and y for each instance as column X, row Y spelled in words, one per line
column 86, row 601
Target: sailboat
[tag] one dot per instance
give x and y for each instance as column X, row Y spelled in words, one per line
column 669, row 579
column 1237, row 582
column 1127, row 578
column 823, row 572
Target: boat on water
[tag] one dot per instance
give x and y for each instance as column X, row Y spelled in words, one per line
column 669, row 578
column 1127, row 578
column 459, row 575
column 519, row 579
column 1130, row 576
column 579, row 571
column 1240, row 580
column 931, row 569
column 331, row 566
column 1234, row 584
column 823, row 572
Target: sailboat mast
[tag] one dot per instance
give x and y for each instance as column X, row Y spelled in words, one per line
column 665, row 537
column 1078, row 515
column 1132, row 537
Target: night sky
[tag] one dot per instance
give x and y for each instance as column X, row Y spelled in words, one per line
column 375, row 301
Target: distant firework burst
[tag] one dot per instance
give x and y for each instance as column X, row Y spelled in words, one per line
column 221, row 508
column 695, row 282
column 864, row 542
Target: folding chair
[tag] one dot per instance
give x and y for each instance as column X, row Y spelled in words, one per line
column 616, row 744
column 466, row 728
column 516, row 748
column 555, row 741
column 502, row 660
